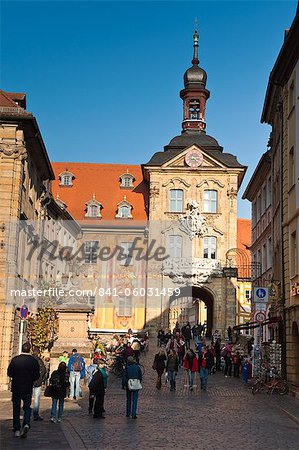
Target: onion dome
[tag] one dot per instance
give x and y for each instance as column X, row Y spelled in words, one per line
column 195, row 75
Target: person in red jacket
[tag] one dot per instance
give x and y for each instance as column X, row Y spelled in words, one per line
column 191, row 365
column 203, row 362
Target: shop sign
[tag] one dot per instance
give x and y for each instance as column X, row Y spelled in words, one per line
column 294, row 289
column 273, row 292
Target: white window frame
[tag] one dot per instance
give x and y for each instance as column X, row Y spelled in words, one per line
column 210, row 201
column 90, row 252
column 210, row 244
column 175, row 246
column 127, row 181
column 124, row 204
column 66, row 176
column 176, row 199
column 126, row 247
column 90, row 207
column 124, row 306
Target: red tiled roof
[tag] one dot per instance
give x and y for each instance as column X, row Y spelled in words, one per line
column 6, row 100
column 101, row 180
column 243, row 246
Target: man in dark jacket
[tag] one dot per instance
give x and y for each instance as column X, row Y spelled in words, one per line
column 24, row 371
column 187, row 334
column 97, row 388
column 37, row 387
column 131, row 372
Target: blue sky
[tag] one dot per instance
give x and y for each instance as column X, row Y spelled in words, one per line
column 103, row 78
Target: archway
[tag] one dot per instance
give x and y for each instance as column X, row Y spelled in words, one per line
column 187, row 307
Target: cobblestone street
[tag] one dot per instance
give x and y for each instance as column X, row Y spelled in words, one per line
column 228, row 416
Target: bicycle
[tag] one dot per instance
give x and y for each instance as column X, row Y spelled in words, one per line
column 277, row 384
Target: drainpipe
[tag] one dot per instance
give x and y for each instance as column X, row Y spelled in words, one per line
column 283, row 346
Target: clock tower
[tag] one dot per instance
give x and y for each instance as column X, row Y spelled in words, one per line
column 194, row 94
column 193, row 186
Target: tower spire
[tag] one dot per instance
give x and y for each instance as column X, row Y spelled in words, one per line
column 195, row 60
column 194, row 94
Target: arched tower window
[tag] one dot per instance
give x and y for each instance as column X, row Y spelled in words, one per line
column 194, row 109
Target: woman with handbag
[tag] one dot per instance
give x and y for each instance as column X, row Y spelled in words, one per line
column 132, row 377
column 59, row 382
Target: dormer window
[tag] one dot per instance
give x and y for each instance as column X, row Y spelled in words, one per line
column 66, row 178
column 124, row 210
column 93, row 208
column 127, row 180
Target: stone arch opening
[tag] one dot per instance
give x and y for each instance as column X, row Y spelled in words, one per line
column 186, row 307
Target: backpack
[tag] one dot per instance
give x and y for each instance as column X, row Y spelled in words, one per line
column 78, row 365
column 56, row 380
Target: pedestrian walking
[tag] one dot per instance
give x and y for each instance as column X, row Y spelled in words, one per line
column 203, row 364
column 132, row 378
column 159, row 366
column 236, row 359
column 136, row 348
column 218, row 354
column 181, row 349
column 227, row 354
column 97, row 389
column 47, row 363
column 210, row 360
column 172, row 344
column 245, row 370
column 186, row 330
column 90, row 371
column 230, row 334
column 172, row 367
column 59, row 382
column 76, row 367
column 24, row 371
column 127, row 351
column 64, row 357
column 37, row 386
column 160, row 337
column 191, row 366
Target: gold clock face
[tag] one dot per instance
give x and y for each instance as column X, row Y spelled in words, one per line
column 194, row 158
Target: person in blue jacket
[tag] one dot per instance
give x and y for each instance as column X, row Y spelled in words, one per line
column 131, row 372
column 76, row 368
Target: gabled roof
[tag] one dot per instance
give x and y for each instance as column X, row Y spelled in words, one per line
column 229, row 160
column 9, row 100
column 6, row 100
column 103, row 181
